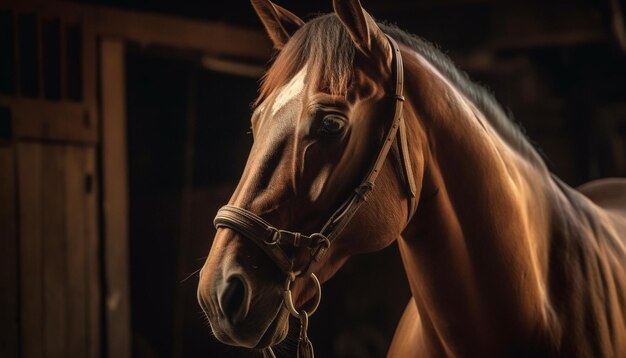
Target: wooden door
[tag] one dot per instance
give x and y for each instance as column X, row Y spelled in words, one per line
column 49, row 251
column 50, row 300
column 58, row 250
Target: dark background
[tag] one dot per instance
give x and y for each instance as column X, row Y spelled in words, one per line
column 556, row 65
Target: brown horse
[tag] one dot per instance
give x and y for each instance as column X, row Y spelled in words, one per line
column 502, row 257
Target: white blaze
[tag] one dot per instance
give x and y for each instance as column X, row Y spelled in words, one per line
column 289, row 91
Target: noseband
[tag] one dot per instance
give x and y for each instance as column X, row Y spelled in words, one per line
column 271, row 240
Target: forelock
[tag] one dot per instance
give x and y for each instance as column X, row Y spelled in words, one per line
column 323, row 45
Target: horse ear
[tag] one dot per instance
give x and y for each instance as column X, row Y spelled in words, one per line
column 279, row 23
column 366, row 35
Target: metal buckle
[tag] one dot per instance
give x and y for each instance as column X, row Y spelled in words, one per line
column 289, row 301
column 363, row 190
column 275, row 239
column 319, row 245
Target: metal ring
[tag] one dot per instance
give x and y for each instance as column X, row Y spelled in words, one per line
column 275, row 237
column 289, row 301
column 320, row 240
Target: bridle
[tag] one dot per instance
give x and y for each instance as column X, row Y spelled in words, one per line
column 270, row 239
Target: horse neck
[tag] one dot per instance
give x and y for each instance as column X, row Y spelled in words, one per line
column 476, row 251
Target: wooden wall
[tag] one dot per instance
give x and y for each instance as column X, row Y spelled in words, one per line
column 49, row 205
column 64, row 278
column 50, row 256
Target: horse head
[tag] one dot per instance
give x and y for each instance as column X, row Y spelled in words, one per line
column 326, row 108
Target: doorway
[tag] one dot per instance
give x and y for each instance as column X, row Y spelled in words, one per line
column 187, row 144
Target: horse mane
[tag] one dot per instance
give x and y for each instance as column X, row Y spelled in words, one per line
column 323, row 44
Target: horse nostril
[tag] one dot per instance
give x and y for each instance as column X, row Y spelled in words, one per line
column 234, row 299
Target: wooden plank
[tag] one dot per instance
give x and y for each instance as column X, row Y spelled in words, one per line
column 93, row 256
column 9, row 339
column 54, row 244
column 217, row 39
column 92, row 232
column 115, row 198
column 31, row 248
column 236, row 68
column 50, row 120
column 77, row 269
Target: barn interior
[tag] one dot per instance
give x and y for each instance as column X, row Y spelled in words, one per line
column 123, row 128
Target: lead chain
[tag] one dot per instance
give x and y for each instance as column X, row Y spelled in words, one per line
column 305, row 347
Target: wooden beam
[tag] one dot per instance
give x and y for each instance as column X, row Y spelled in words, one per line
column 233, row 67
column 92, row 234
column 75, row 250
column 50, row 120
column 216, row 39
column 115, row 199
column 54, row 244
column 29, row 158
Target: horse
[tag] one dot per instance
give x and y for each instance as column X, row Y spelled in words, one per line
column 502, row 258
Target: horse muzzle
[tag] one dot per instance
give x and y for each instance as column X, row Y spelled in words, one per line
column 243, row 304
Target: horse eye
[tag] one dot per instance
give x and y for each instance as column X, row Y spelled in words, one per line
column 332, row 125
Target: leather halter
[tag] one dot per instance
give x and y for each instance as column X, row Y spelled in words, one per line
column 270, row 239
